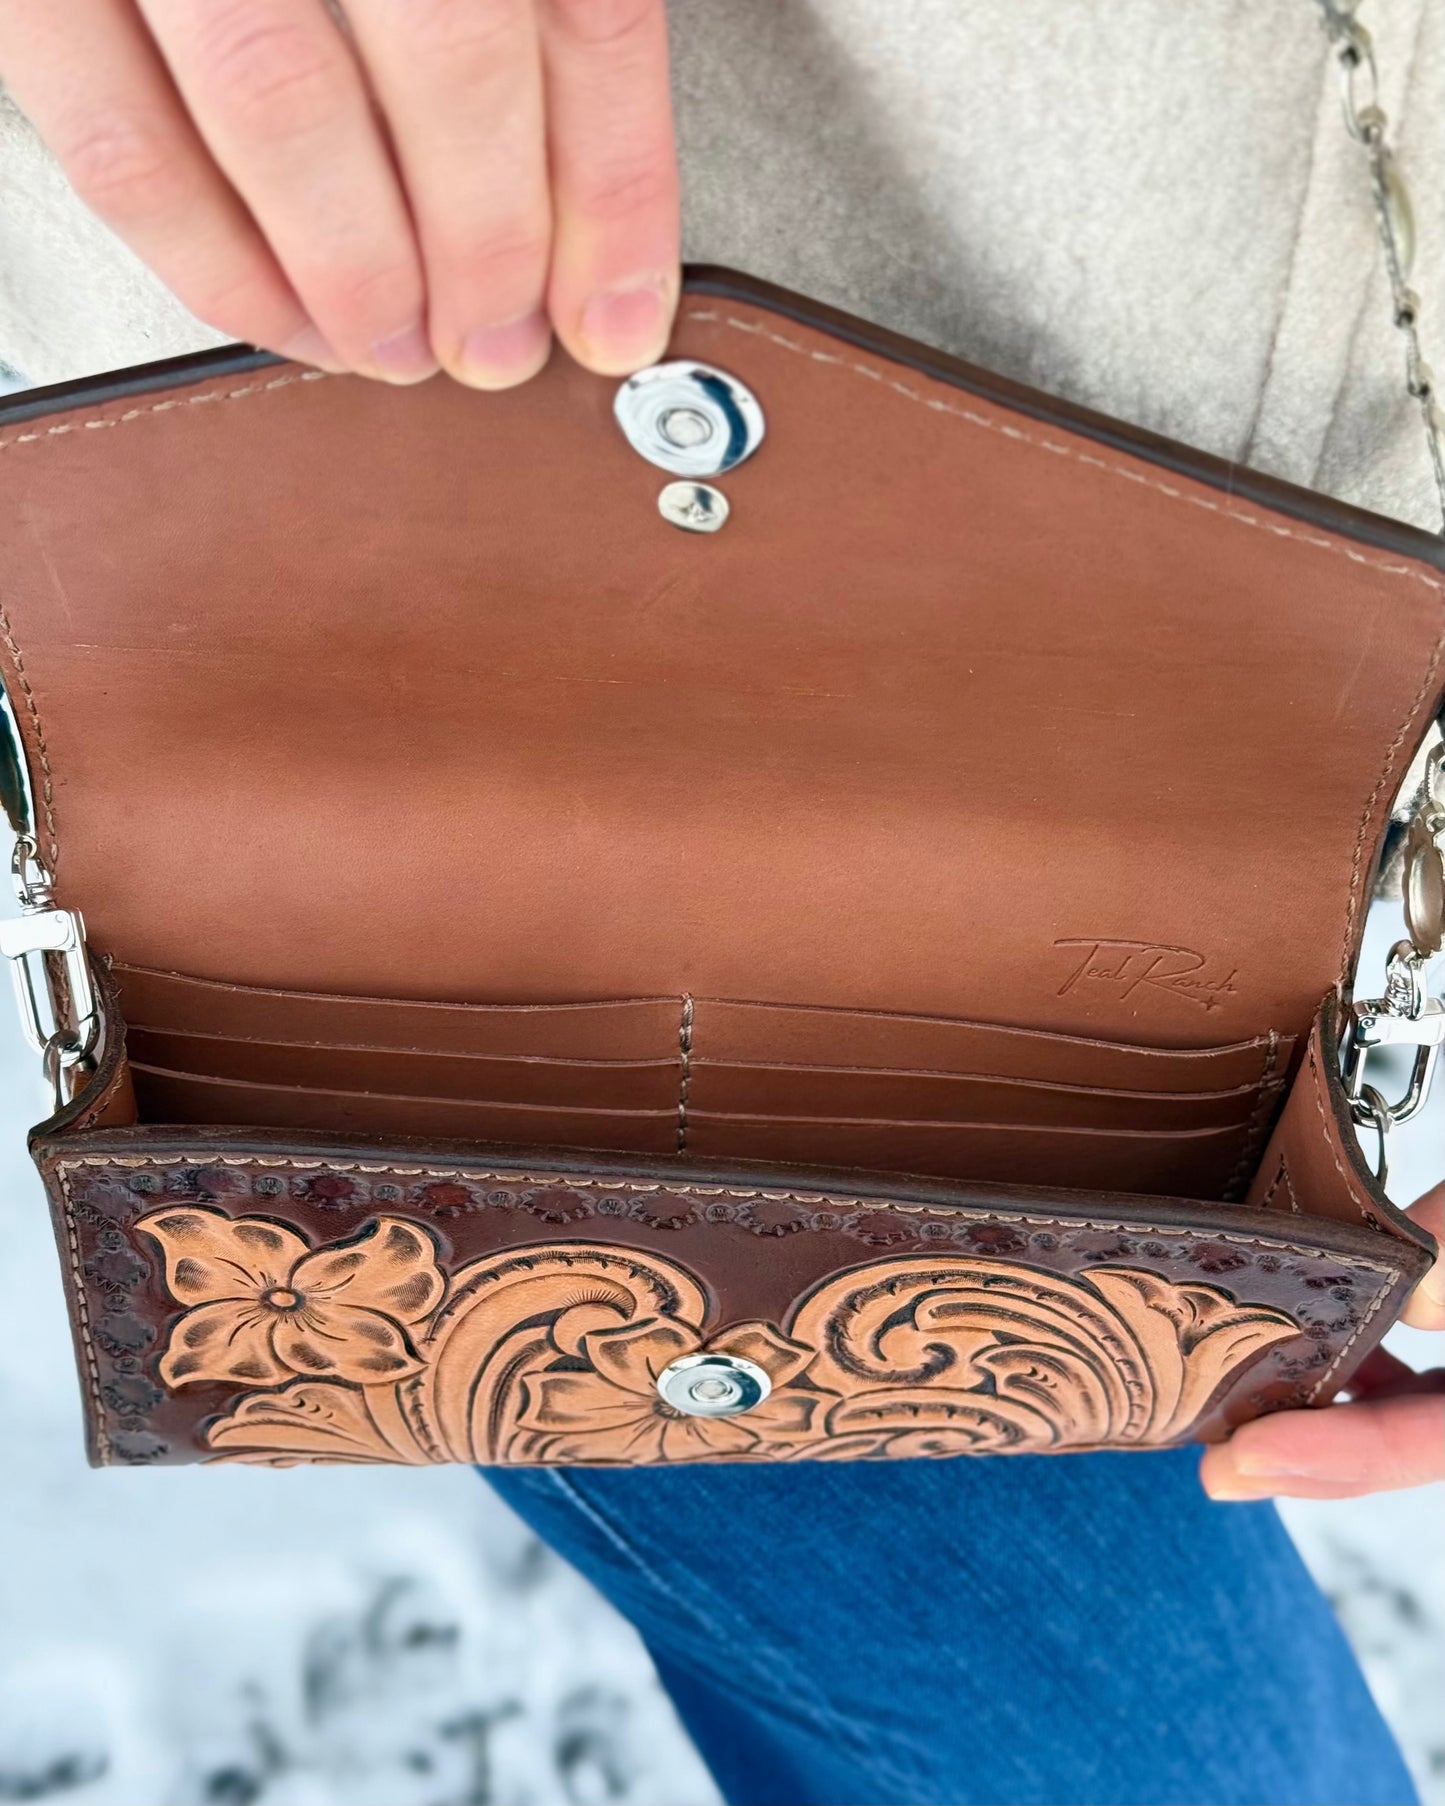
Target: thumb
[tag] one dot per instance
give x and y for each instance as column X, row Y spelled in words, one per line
column 1425, row 1307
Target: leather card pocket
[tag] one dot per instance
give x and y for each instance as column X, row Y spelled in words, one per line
column 1201, row 1162
column 854, row 1092
column 765, row 1033
column 520, row 1079
column 183, row 1097
column 629, row 1029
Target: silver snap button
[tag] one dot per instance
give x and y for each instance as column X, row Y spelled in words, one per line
column 695, row 507
column 693, row 420
column 685, row 428
column 713, row 1385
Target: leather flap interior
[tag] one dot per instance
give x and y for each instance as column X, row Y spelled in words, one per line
column 414, row 694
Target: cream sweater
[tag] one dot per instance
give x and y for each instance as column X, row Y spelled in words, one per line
column 1148, row 207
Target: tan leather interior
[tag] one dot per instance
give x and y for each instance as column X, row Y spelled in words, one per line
column 983, row 801
column 692, row 1075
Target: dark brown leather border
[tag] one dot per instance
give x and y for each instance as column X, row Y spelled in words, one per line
column 1342, row 1284
column 1412, row 1252
column 1248, row 485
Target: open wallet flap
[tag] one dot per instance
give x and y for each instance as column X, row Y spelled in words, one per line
column 995, row 800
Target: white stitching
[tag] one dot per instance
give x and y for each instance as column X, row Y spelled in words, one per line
column 32, row 708
column 1364, row 1323
column 1010, row 431
column 82, row 1317
column 163, row 407
column 684, row 1047
column 203, row 1158
column 1356, row 864
column 1267, row 1091
column 1317, row 1088
column 1004, row 428
column 47, row 794
column 1282, row 1178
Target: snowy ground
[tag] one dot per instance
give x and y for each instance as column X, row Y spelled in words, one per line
column 187, row 1637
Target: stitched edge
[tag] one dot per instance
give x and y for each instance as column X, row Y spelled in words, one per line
column 32, row 708
column 1008, row 431
column 684, row 1047
column 164, row 407
column 47, row 788
column 64, row 1167
column 934, row 403
column 82, row 1317
column 122, row 1162
column 1364, row 1323
column 1384, row 778
column 1281, row 1178
column 1255, row 1126
column 1317, row 1092
column 102, row 1103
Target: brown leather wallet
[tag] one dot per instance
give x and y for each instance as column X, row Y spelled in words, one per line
column 864, row 980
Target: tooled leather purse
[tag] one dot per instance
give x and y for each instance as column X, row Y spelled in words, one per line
column 798, row 907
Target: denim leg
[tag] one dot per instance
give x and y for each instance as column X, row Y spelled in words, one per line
column 1083, row 1630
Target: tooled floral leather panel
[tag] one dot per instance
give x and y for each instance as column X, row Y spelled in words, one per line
column 279, row 1307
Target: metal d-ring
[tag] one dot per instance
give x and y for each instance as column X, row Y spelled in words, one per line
column 1370, row 1111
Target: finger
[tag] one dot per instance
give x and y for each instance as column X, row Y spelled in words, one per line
column 1381, row 1375
column 1336, row 1453
column 114, row 121
column 1425, row 1307
column 615, row 255
column 461, row 85
column 279, row 99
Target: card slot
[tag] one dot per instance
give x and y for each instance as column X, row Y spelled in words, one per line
column 200, row 1037
column 1197, row 1162
column 526, row 1079
column 624, row 1029
column 182, row 1097
column 853, row 1092
column 746, row 1034
column 763, row 1058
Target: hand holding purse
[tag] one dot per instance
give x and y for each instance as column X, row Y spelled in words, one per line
column 845, row 983
column 800, row 907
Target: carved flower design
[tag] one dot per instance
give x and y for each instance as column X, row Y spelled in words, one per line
column 611, row 1410
column 264, row 1306
column 364, row 1350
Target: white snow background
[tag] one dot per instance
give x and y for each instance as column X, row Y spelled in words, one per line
column 355, row 1637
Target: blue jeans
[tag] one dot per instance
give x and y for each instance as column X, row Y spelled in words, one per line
column 1081, row 1628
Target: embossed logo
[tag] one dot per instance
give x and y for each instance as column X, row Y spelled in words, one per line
column 1125, row 967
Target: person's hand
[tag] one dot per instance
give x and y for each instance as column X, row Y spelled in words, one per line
column 1391, row 1434
column 431, row 182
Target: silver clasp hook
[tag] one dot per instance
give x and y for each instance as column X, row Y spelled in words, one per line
column 63, row 1029
column 1406, row 1016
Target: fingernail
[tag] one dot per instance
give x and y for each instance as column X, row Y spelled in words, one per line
column 1431, row 1288
column 1235, row 1492
column 1234, row 1479
column 627, row 326
column 496, row 357
column 309, row 347
column 1256, row 1477
column 406, row 357
column 1235, row 1475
